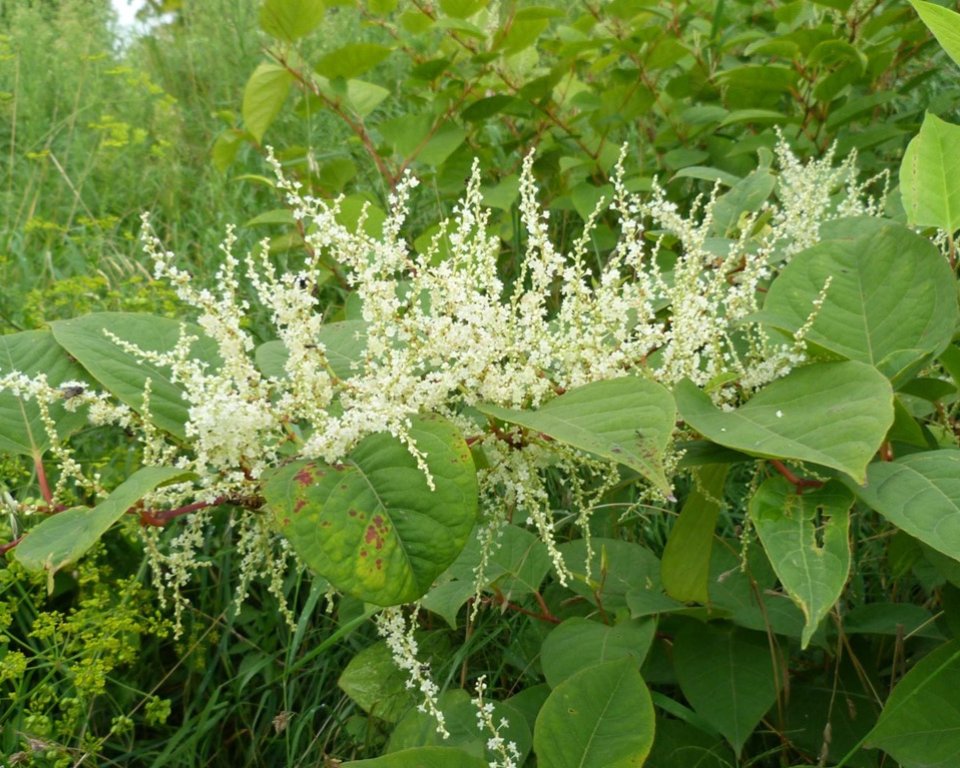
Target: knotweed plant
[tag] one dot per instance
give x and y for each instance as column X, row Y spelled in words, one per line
column 441, row 333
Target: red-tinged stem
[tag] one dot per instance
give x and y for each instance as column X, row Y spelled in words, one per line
column 4, row 548
column 798, row 482
column 42, row 480
column 544, row 615
column 162, row 517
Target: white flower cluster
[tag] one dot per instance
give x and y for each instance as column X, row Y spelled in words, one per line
column 443, row 330
column 399, row 636
column 506, row 751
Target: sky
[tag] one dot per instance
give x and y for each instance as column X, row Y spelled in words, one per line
column 126, row 11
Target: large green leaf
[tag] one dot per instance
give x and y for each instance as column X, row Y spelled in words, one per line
column 805, row 536
column 419, row 729
column 62, row 538
column 579, row 643
column 920, row 494
column 727, row 675
column 930, row 176
column 620, row 572
column 685, row 566
column 422, row 757
column 920, row 723
column 628, row 420
column 351, row 60
column 21, row 428
column 124, row 374
column 680, row 745
column 891, row 301
column 944, row 23
column 602, row 715
column 290, row 20
column 375, row 682
column 263, row 97
column 371, row 525
column 743, row 591
column 343, row 343
column 833, row 414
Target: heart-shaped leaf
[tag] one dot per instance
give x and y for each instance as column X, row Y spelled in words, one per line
column 727, row 675
column 64, row 537
column 124, row 374
column 891, row 300
column 579, row 643
column 920, row 723
column 930, row 176
column 833, row 414
column 21, row 428
column 628, row 420
column 343, row 343
column 372, row 525
column 602, row 715
column 920, row 494
column 805, row 536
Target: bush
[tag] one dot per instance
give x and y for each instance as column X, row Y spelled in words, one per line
column 669, row 473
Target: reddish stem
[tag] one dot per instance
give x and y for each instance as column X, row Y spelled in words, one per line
column 544, row 615
column 162, row 517
column 42, row 480
column 798, row 482
column 4, row 548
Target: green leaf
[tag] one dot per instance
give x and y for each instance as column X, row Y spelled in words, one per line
column 461, row 9
column 276, row 216
column 727, row 675
column 344, row 344
column 579, row 643
column 365, row 97
column 618, row 569
column 263, row 97
column 351, row 60
column 225, row 149
column 63, row 538
column 944, row 23
column 930, row 176
column 833, row 414
column 920, row 723
column 21, row 428
column 422, row 757
column 685, row 566
column 627, row 420
column 805, row 537
column 371, row 525
column 746, row 195
column 890, row 301
column 441, row 144
column 602, row 715
column 920, row 494
column 680, row 745
column 290, row 20
column 516, row 567
column 486, row 107
column 419, row 729
column 375, row 682
column 744, row 592
column 123, row 374
column 892, row 619
column 759, row 77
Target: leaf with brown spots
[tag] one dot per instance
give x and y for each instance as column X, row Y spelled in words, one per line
column 371, row 525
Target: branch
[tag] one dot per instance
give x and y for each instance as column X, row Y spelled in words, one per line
column 161, row 517
column 4, row 548
column 798, row 482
